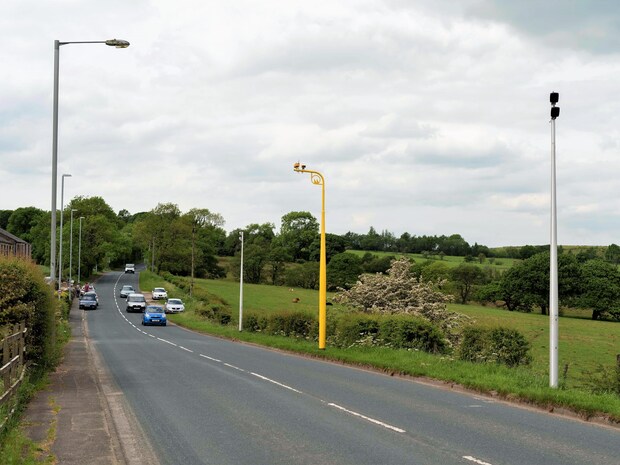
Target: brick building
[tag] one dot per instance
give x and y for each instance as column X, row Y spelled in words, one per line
column 13, row 246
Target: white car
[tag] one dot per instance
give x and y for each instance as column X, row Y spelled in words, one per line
column 174, row 306
column 159, row 293
column 130, row 268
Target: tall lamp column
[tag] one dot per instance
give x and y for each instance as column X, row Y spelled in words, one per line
column 71, row 247
column 62, row 208
column 112, row 43
column 80, row 252
column 553, row 266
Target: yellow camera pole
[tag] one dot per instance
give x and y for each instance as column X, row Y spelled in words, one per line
column 318, row 179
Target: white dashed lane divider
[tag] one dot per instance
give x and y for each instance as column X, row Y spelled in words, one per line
column 264, row 378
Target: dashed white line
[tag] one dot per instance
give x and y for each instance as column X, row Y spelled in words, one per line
column 234, row 367
column 475, row 460
column 372, row 420
column 185, row 349
column 167, row 342
column 210, row 358
column 275, row 382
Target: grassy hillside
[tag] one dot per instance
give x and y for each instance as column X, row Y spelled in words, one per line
column 501, row 264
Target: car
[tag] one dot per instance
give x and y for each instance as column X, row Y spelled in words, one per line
column 154, row 315
column 174, row 306
column 126, row 290
column 89, row 300
column 159, row 293
column 130, row 268
column 135, row 303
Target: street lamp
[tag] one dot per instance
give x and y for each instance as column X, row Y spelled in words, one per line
column 318, row 179
column 62, row 209
column 113, row 43
column 241, row 285
column 554, row 97
column 71, row 246
column 80, row 251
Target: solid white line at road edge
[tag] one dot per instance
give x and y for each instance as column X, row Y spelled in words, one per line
column 372, row 420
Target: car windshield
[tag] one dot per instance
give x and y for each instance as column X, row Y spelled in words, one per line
column 175, row 301
column 89, row 297
column 155, row 310
column 136, row 298
column 159, row 289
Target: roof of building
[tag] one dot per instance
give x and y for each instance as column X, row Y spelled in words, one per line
column 9, row 238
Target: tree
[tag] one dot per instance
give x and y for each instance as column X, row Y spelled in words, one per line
column 600, row 289
column 526, row 284
column 305, row 275
column 612, row 254
column 465, row 277
column 4, row 218
column 277, row 258
column 399, row 292
column 297, row 233
column 22, row 220
column 343, row 270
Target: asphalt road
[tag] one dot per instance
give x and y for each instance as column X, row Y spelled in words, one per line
column 204, row 400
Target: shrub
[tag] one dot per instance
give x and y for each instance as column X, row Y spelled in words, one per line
column 355, row 328
column 293, row 324
column 412, row 333
column 214, row 312
column 24, row 296
column 498, row 345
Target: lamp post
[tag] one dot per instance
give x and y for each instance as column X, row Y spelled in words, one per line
column 80, row 251
column 62, row 209
column 317, row 179
column 113, row 43
column 71, row 246
column 241, row 285
column 554, row 97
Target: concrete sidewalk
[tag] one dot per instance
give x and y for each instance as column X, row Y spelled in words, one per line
column 80, row 418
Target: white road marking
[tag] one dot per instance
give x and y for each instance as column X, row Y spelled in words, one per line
column 187, row 350
column 372, row 420
column 232, row 366
column 475, row 460
column 275, row 382
column 211, row 358
column 167, row 342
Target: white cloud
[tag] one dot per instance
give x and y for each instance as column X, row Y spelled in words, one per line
column 425, row 116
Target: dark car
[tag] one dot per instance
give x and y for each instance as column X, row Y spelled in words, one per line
column 154, row 315
column 89, row 300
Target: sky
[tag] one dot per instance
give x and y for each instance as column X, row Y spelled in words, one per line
column 424, row 116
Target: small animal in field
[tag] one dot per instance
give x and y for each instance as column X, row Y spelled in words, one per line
column 295, row 300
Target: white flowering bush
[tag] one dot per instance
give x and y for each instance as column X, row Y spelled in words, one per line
column 400, row 293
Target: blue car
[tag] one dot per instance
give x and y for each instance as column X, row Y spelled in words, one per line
column 154, row 315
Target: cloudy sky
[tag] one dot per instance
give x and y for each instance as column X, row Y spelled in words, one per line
column 425, row 116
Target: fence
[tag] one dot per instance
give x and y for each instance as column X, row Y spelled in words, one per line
column 13, row 363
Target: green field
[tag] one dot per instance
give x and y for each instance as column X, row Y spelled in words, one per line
column 501, row 264
column 585, row 345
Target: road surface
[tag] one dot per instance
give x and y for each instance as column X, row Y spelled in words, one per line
column 204, row 400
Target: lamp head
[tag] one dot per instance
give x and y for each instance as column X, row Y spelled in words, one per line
column 118, row 43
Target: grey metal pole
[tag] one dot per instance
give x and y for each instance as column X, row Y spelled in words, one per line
column 71, row 246
column 54, row 166
column 62, row 208
column 241, row 286
column 553, row 271
column 118, row 43
column 80, row 252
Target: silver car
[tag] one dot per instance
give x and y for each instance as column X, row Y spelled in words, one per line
column 136, row 303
